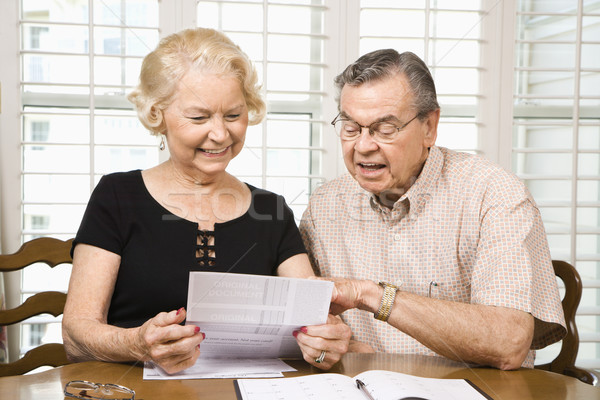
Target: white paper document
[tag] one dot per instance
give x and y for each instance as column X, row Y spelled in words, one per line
column 246, row 318
column 223, row 368
column 254, row 316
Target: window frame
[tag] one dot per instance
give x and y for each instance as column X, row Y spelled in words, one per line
column 10, row 158
column 341, row 27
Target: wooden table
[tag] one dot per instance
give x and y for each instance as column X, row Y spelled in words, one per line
column 500, row 385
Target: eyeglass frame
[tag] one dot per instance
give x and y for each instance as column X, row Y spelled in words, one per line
column 96, row 386
column 339, row 118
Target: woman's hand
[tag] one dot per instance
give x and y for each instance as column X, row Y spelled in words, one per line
column 332, row 337
column 171, row 346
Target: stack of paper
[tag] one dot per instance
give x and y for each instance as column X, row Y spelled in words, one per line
column 249, row 322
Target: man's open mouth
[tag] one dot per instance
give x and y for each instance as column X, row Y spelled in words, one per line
column 371, row 166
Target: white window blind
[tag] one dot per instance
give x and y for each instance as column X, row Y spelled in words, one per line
column 285, row 40
column 78, row 60
column 556, row 141
column 447, row 36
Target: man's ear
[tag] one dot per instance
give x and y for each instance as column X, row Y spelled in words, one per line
column 431, row 125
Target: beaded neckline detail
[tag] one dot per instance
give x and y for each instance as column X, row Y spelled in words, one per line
column 205, row 248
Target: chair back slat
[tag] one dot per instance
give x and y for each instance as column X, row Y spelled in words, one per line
column 41, row 303
column 564, row 363
column 52, row 252
column 49, row 354
column 48, row 250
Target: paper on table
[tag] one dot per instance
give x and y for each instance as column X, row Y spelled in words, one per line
column 223, row 368
column 254, row 316
column 246, row 318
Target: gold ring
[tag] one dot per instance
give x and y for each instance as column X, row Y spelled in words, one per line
column 320, row 359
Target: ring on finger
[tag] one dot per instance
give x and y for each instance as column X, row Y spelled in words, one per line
column 320, row 359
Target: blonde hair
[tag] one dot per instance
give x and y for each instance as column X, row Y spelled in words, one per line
column 175, row 55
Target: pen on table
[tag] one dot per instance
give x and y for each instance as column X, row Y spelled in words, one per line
column 361, row 385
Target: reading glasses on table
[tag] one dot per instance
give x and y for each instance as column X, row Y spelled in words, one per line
column 86, row 390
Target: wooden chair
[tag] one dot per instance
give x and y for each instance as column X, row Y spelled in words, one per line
column 52, row 252
column 564, row 363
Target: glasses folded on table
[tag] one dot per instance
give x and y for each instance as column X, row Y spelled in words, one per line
column 86, row 390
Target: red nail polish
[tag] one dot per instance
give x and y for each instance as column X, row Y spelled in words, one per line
column 179, row 311
column 304, row 329
column 295, row 333
column 203, row 336
column 197, row 329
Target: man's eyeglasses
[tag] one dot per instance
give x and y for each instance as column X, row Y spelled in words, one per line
column 85, row 390
column 382, row 132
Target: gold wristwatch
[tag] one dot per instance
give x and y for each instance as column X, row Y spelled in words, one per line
column 387, row 301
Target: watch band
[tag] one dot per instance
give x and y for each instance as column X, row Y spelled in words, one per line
column 387, row 301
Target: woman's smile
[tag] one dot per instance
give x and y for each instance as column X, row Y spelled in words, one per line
column 214, row 152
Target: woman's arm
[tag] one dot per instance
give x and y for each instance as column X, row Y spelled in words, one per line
column 296, row 266
column 87, row 336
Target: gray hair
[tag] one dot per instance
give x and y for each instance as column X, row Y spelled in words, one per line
column 380, row 64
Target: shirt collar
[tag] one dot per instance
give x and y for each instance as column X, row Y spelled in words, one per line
column 414, row 199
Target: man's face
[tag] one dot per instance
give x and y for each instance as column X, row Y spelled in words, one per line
column 387, row 170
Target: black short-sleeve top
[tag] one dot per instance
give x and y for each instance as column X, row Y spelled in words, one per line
column 158, row 249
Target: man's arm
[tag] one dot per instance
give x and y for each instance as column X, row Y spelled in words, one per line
column 496, row 336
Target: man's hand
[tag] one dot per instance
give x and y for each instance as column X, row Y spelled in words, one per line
column 350, row 293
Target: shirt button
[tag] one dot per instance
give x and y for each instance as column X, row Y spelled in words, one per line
column 397, row 237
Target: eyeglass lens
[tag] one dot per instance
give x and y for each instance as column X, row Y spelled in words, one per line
column 349, row 130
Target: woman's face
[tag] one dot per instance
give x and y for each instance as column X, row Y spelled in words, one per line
column 206, row 124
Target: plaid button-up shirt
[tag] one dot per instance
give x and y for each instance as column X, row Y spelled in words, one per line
column 466, row 231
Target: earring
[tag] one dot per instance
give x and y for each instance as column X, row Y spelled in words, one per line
column 161, row 146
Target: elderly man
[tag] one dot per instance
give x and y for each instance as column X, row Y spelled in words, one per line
column 433, row 252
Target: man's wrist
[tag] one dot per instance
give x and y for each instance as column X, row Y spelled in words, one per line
column 370, row 296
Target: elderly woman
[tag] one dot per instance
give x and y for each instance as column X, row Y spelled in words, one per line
column 144, row 231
